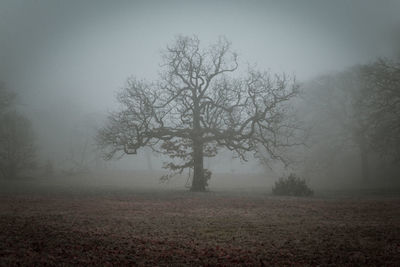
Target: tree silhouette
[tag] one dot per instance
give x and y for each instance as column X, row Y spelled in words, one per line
column 198, row 106
column 17, row 150
column 381, row 99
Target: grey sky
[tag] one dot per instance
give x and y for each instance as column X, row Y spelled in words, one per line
column 91, row 47
column 69, row 57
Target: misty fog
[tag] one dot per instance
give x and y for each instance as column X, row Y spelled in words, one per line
column 199, row 133
column 67, row 60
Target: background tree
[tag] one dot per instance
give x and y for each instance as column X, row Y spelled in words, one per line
column 357, row 112
column 17, row 151
column 381, row 98
column 7, row 98
column 339, row 120
column 199, row 105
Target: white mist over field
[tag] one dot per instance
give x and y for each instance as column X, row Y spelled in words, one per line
column 68, row 59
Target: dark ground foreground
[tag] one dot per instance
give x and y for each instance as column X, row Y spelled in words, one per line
column 196, row 229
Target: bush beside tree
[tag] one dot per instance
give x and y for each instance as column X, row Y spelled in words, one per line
column 291, row 186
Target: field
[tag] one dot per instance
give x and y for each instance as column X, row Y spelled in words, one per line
column 179, row 228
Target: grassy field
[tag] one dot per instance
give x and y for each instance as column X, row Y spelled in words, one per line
column 177, row 228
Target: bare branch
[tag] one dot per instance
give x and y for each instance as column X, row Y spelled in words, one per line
column 197, row 107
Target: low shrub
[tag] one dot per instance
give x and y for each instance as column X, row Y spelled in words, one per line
column 291, row 186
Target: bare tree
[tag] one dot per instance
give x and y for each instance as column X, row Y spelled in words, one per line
column 339, row 119
column 198, row 106
column 17, row 151
column 7, row 98
column 358, row 108
column 381, row 98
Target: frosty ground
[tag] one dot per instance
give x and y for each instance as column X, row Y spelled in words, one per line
column 179, row 228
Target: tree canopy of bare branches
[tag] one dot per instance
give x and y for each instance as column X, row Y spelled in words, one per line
column 381, row 97
column 357, row 108
column 199, row 105
column 339, row 120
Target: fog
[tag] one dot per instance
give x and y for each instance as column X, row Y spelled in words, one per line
column 199, row 133
column 67, row 60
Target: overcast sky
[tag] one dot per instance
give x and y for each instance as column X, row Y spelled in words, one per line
column 88, row 48
column 74, row 55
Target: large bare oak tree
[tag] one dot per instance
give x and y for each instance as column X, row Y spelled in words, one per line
column 202, row 102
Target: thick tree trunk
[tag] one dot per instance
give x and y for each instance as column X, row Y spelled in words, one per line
column 198, row 183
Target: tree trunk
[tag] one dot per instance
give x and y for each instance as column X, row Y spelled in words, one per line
column 198, row 183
